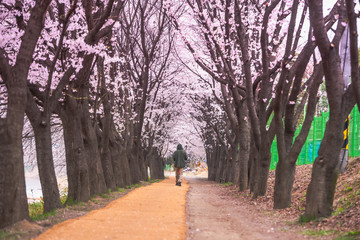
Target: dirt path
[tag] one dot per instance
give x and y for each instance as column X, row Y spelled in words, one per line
column 211, row 214
column 153, row 212
column 158, row 212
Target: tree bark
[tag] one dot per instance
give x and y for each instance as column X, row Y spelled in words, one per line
column 42, row 130
column 156, row 165
column 119, row 159
column 13, row 202
column 321, row 190
column 76, row 164
column 244, row 149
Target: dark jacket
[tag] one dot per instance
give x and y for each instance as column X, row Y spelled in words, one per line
column 179, row 156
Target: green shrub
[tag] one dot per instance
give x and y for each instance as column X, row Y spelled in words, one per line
column 43, row 216
column 305, row 219
column 3, row 234
column 154, row 180
column 318, row 233
column 36, row 209
column 103, row 195
column 227, row 184
column 352, row 235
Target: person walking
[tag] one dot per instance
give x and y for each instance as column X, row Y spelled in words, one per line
column 179, row 156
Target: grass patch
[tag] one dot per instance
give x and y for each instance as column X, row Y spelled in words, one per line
column 72, row 202
column 120, row 189
column 352, row 235
column 338, row 211
column 36, row 209
column 63, row 199
column 136, row 185
column 103, row 195
column 227, row 184
column 43, row 216
column 306, row 219
column 318, row 233
column 3, row 234
column 154, row 180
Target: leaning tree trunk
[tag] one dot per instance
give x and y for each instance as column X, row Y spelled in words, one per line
column 40, row 122
column 321, row 190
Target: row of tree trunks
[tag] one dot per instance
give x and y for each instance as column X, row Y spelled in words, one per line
column 156, row 165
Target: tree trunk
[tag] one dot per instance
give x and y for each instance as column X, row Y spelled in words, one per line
column 124, row 164
column 321, row 190
column 134, row 164
column 91, row 147
column 262, row 167
column 244, row 148
column 119, row 159
column 212, row 162
column 220, row 169
column 156, row 166
column 227, row 170
column 46, row 168
column 76, row 164
column 45, row 164
column 235, row 166
column 13, row 202
column 284, row 180
column 40, row 123
column 252, row 165
column 143, row 167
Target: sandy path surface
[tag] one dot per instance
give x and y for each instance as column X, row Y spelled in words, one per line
column 152, row 212
column 213, row 215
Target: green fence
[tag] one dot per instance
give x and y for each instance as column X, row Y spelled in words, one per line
column 310, row 149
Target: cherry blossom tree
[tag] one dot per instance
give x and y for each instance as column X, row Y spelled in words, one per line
column 24, row 20
column 146, row 43
column 47, row 88
column 321, row 190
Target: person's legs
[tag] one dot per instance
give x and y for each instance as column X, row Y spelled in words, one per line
column 181, row 171
column 177, row 172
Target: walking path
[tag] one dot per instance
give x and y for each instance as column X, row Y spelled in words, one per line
column 163, row 211
column 213, row 214
column 153, row 212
